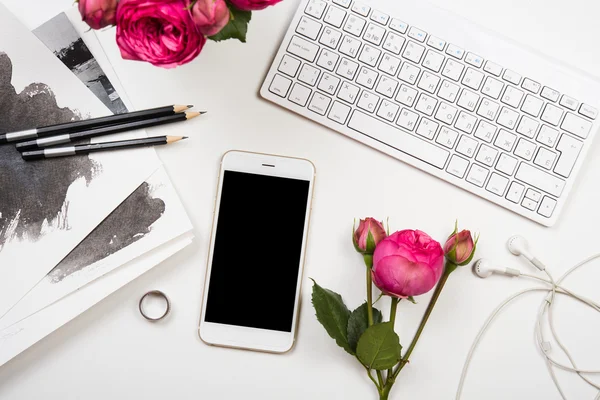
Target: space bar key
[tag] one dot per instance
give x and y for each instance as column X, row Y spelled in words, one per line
column 398, row 139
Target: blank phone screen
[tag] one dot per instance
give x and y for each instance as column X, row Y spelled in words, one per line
column 258, row 246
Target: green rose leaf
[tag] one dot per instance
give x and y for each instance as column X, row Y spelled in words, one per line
column 359, row 322
column 379, row 347
column 333, row 314
column 237, row 26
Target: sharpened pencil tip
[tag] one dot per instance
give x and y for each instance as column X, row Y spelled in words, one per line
column 203, row 112
column 191, row 114
column 190, row 106
column 184, row 137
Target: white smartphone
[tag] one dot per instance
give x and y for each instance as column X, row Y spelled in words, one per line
column 254, row 272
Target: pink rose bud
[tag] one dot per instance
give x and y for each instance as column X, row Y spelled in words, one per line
column 160, row 32
column 366, row 227
column 210, row 16
column 460, row 248
column 250, row 5
column 98, row 13
column 407, row 263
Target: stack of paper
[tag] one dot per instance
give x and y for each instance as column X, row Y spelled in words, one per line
column 76, row 229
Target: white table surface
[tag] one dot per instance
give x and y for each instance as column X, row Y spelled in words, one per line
column 110, row 352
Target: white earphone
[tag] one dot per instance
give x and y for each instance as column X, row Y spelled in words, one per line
column 519, row 247
column 484, row 269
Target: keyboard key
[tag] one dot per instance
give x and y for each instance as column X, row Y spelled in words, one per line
column 343, row 3
column 303, row 48
column 387, row 86
column 433, row 61
column 309, row 28
column 354, row 25
column 486, row 155
column 315, row 8
column 393, row 42
column 368, row 101
column 492, row 68
column 436, row 43
column 369, row 55
column 515, row 192
column 448, row 91
column 348, row 92
column 468, row 100
column 505, row 140
column 339, row 112
column 427, row 128
column 399, row 26
column 512, row 96
column 466, row 146
column 552, row 114
column 506, row 164
column 465, row 122
column 299, row 94
column 388, row 110
column 417, row 34
column 545, row 158
column 531, row 86
column 407, row 119
column 588, row 111
column 576, row 125
column 413, row 52
column 477, row 175
column 569, row 148
column 569, row 102
column 485, row 131
column 532, row 105
column 429, row 82
column 547, row 136
column 389, row 64
column 289, row 65
column 529, row 204
column 347, row 69
column 528, row 127
column 497, row 184
column 547, row 207
column 508, row 118
column 512, row 77
column 472, row 79
column 328, row 59
column 533, row 195
column 492, row 87
column 540, row 179
column 402, row 141
column 319, row 103
column 379, row 17
column 550, row 94
column 453, row 70
column 406, row 95
column 474, row 60
column 457, row 166
column 455, row 51
column 361, row 8
column 367, row 77
column 329, row 83
column 426, row 104
column 335, row 16
column 488, row 109
column 330, row 38
column 350, row 46
column 280, row 85
column 525, row 149
column 309, row 74
column 447, row 138
column 446, row 113
column 409, row 73
column 374, row 34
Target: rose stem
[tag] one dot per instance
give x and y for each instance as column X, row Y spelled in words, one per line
column 370, row 310
column 393, row 309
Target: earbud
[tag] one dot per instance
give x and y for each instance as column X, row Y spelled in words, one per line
column 519, row 247
column 484, row 269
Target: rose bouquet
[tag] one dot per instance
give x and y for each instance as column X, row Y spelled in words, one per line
column 168, row 33
column 402, row 265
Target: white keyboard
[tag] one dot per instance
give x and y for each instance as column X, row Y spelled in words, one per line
column 443, row 95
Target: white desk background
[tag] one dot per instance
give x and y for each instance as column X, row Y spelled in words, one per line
column 110, row 352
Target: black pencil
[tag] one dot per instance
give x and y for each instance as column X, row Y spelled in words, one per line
column 104, row 130
column 88, row 124
column 91, row 148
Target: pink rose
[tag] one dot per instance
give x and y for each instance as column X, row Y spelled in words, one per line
column 210, row 16
column 250, row 5
column 160, row 32
column 460, row 247
column 366, row 226
column 98, row 13
column 407, row 263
